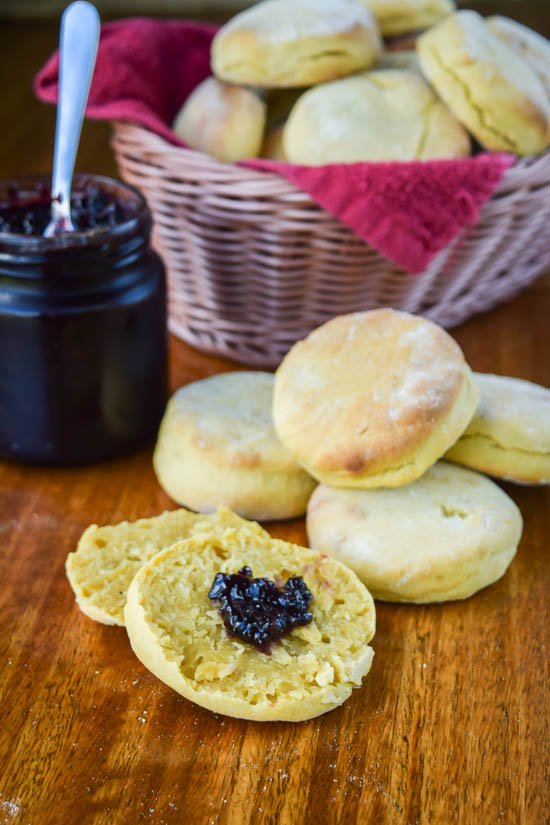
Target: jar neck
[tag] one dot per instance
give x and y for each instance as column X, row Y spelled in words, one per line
column 98, row 254
column 77, row 256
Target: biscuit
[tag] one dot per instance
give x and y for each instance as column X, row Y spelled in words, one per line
column 402, row 16
column 178, row 633
column 486, row 84
column 509, row 436
column 107, row 558
column 373, row 116
column 217, row 446
column 373, row 399
column 292, row 43
column 533, row 47
column 445, row 536
column 222, row 120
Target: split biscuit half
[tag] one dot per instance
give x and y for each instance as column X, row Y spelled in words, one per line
column 107, row 558
column 179, row 635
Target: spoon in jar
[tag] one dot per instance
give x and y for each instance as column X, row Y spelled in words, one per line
column 79, row 40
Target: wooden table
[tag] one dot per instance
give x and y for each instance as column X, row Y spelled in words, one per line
column 448, row 728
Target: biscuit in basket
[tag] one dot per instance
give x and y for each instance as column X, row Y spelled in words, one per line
column 374, row 116
column 222, row 120
column 108, row 557
column 486, row 84
column 217, row 445
column 177, row 632
column 445, row 536
column 401, row 16
column 373, row 399
column 509, row 436
column 533, row 47
column 292, row 43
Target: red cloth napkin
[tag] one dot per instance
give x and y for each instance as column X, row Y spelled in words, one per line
column 407, row 211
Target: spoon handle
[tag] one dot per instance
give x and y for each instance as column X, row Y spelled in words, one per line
column 79, row 40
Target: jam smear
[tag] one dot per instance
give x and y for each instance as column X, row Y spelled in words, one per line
column 256, row 610
column 29, row 212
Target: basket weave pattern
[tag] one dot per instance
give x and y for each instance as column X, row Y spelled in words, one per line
column 254, row 264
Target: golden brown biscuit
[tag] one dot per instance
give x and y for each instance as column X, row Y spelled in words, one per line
column 373, row 399
column 445, row 536
column 509, row 436
column 217, row 446
column 381, row 115
column 486, row 84
column 292, row 43
column 401, row 16
column 177, row 632
column 222, row 120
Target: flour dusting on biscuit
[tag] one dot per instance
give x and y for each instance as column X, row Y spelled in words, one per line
column 373, row 399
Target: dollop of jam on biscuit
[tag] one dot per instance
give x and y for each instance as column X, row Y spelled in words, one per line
column 256, row 610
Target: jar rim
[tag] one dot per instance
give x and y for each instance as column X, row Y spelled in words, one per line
column 68, row 240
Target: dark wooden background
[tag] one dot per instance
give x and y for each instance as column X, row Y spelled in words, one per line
column 450, row 726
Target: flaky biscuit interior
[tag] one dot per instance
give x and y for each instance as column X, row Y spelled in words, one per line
column 178, row 633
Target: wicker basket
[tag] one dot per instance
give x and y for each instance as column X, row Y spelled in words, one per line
column 254, row 264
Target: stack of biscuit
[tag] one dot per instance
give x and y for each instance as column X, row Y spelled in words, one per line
column 353, row 426
column 367, row 406
column 310, row 82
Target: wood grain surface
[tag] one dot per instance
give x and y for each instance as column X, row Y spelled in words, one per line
column 449, row 727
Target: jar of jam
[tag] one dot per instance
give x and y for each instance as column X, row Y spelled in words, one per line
column 83, row 341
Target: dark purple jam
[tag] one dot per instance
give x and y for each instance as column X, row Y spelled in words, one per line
column 29, row 212
column 83, row 344
column 256, row 610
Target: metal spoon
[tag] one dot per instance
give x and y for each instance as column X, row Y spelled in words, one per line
column 79, row 39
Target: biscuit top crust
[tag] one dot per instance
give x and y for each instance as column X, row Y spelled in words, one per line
column 283, row 21
column 230, row 415
column 528, row 44
column 375, row 115
column 401, row 16
column 444, row 519
column 365, row 390
column 514, row 412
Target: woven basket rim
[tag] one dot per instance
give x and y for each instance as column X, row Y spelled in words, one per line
column 241, row 295
column 237, row 173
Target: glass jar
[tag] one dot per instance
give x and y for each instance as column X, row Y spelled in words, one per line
column 83, row 341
